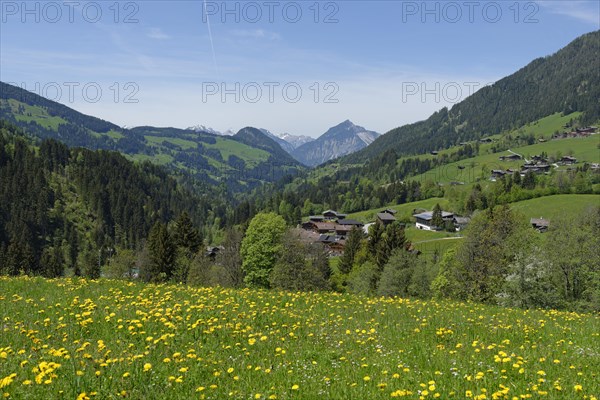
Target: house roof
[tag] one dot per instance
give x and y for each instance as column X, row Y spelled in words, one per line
column 330, row 212
column 389, row 211
column 324, row 226
column 330, row 239
column 349, row 222
column 429, row 215
column 513, row 156
column 386, row 217
column 539, row 222
column 343, row 228
column 316, row 217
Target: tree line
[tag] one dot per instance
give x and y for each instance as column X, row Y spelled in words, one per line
column 69, row 208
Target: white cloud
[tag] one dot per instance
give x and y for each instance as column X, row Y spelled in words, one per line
column 256, row 34
column 158, row 34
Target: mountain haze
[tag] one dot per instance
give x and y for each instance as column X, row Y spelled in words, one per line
column 338, row 141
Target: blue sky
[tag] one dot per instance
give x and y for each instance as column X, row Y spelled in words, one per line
column 298, row 67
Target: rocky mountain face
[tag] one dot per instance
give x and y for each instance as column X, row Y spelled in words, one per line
column 342, row 139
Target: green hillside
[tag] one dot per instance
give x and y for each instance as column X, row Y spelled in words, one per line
column 478, row 168
column 240, row 162
column 566, row 81
column 71, row 207
column 564, row 205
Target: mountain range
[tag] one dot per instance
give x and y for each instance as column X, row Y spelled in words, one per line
column 565, row 82
column 342, row 139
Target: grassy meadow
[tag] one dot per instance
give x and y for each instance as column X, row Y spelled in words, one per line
column 78, row 339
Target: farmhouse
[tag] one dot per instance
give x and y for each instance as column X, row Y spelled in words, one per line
column 538, row 168
column 578, row 132
column 497, row 174
column 334, row 243
column 331, row 215
column 385, row 218
column 424, row 220
column 343, row 230
column 350, row 222
column 325, row 225
column 568, row 160
column 539, row 159
column 460, row 223
column 511, row 157
column 540, row 224
column 319, row 227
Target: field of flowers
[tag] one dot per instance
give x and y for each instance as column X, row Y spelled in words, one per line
column 77, row 339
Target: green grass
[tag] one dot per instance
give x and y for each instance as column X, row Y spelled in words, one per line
column 420, row 235
column 250, row 155
column 438, row 247
column 545, row 127
column 569, row 205
column 115, row 135
column 160, row 159
column 34, row 114
column 115, row 339
column 184, row 144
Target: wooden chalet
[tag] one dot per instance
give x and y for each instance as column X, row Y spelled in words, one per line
column 538, row 168
column 511, row 157
column 424, row 220
column 539, row 159
column 334, row 243
column 568, row 160
column 385, row 218
column 331, row 215
column 540, row 224
column 343, row 230
column 319, row 227
column 460, row 223
column 497, row 174
column 350, row 222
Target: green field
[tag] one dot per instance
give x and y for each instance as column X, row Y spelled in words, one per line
column 250, row 155
column 568, row 205
column 77, row 339
column 35, row 114
column 184, row 144
column 545, row 127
